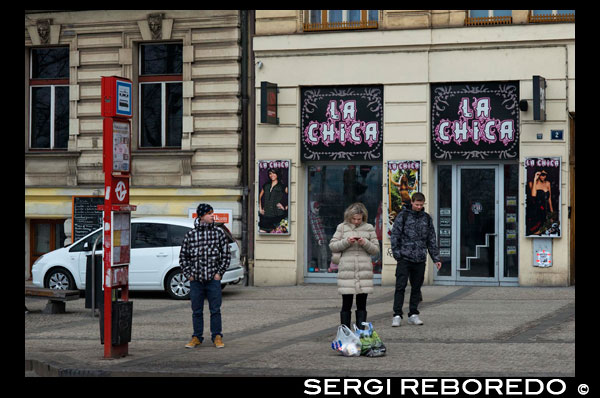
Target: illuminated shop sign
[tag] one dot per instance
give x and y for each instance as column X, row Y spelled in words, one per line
column 342, row 123
column 475, row 121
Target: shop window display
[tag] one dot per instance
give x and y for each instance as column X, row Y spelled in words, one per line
column 331, row 189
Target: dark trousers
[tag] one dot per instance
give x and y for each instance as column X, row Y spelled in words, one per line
column 361, row 302
column 210, row 290
column 415, row 273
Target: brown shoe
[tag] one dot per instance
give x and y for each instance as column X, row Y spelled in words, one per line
column 194, row 343
column 219, row 342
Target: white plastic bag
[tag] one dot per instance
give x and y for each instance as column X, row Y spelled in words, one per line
column 346, row 342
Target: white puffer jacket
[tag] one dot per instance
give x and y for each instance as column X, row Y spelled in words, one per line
column 355, row 273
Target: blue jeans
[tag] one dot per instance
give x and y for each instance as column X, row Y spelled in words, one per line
column 198, row 292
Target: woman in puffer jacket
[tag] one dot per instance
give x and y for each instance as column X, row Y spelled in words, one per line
column 356, row 240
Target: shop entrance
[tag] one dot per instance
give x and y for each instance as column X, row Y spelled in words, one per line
column 477, row 224
column 332, row 187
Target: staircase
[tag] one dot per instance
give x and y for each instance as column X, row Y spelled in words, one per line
column 477, row 253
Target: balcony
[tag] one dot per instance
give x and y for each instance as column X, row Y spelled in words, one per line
column 549, row 18
column 322, row 26
column 485, row 21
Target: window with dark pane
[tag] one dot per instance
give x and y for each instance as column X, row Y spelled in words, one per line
column 162, row 59
column 174, row 114
column 49, row 98
column 50, row 63
column 61, row 117
column 151, row 120
column 161, row 94
column 40, row 117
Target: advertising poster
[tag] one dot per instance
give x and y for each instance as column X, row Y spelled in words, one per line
column 404, row 179
column 341, row 123
column 475, row 121
column 121, row 145
column 273, row 196
column 121, row 238
column 542, row 205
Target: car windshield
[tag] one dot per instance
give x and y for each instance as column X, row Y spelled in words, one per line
column 79, row 246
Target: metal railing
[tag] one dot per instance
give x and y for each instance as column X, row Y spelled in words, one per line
column 346, row 25
column 483, row 21
column 548, row 18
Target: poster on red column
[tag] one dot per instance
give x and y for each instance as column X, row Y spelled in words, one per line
column 121, row 238
column 121, row 145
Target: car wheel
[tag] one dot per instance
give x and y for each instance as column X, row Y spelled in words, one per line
column 61, row 279
column 178, row 286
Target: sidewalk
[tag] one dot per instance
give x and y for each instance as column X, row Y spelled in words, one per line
column 286, row 331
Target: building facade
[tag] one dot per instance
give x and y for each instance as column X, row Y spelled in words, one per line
column 474, row 108
column 188, row 74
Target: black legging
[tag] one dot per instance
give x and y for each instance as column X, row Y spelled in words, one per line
column 361, row 302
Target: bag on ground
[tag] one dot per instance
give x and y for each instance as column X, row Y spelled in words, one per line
column 346, row 342
column 371, row 344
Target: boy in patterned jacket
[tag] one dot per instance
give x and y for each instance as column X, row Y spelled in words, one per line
column 413, row 235
column 204, row 258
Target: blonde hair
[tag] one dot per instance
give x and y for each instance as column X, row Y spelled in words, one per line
column 354, row 209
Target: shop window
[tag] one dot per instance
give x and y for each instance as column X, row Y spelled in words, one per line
column 161, row 95
column 488, row 17
column 331, row 189
column 319, row 20
column 49, row 98
column 545, row 16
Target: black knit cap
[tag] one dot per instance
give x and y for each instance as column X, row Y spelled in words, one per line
column 202, row 209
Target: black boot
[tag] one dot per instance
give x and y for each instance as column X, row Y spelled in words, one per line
column 361, row 316
column 345, row 318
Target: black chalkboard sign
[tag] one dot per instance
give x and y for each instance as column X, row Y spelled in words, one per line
column 86, row 216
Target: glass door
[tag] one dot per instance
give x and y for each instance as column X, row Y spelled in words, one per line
column 478, row 223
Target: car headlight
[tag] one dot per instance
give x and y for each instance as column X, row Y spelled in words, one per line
column 37, row 261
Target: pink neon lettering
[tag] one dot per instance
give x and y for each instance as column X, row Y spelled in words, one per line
column 474, row 123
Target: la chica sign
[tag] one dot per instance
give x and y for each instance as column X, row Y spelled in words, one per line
column 475, row 121
column 342, row 123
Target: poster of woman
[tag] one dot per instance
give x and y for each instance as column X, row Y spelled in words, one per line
column 404, row 179
column 273, row 196
column 542, row 206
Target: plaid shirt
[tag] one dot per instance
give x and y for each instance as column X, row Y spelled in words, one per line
column 204, row 252
column 317, row 228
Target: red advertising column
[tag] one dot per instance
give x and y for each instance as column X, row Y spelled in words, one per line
column 116, row 113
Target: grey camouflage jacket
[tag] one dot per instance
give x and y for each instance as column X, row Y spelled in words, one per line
column 411, row 241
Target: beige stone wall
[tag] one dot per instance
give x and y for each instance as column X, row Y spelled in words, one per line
column 105, row 43
column 406, row 61
column 164, row 182
column 274, row 22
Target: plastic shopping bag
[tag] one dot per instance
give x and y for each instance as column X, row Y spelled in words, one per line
column 371, row 344
column 346, row 342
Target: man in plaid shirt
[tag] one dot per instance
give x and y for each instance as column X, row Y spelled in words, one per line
column 204, row 258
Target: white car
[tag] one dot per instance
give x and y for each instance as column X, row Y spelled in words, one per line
column 155, row 246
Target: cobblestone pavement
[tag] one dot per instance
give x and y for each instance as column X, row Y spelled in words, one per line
column 286, row 331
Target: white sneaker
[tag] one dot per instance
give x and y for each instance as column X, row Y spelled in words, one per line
column 414, row 320
column 396, row 321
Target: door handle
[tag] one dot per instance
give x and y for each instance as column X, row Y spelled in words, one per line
column 161, row 255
